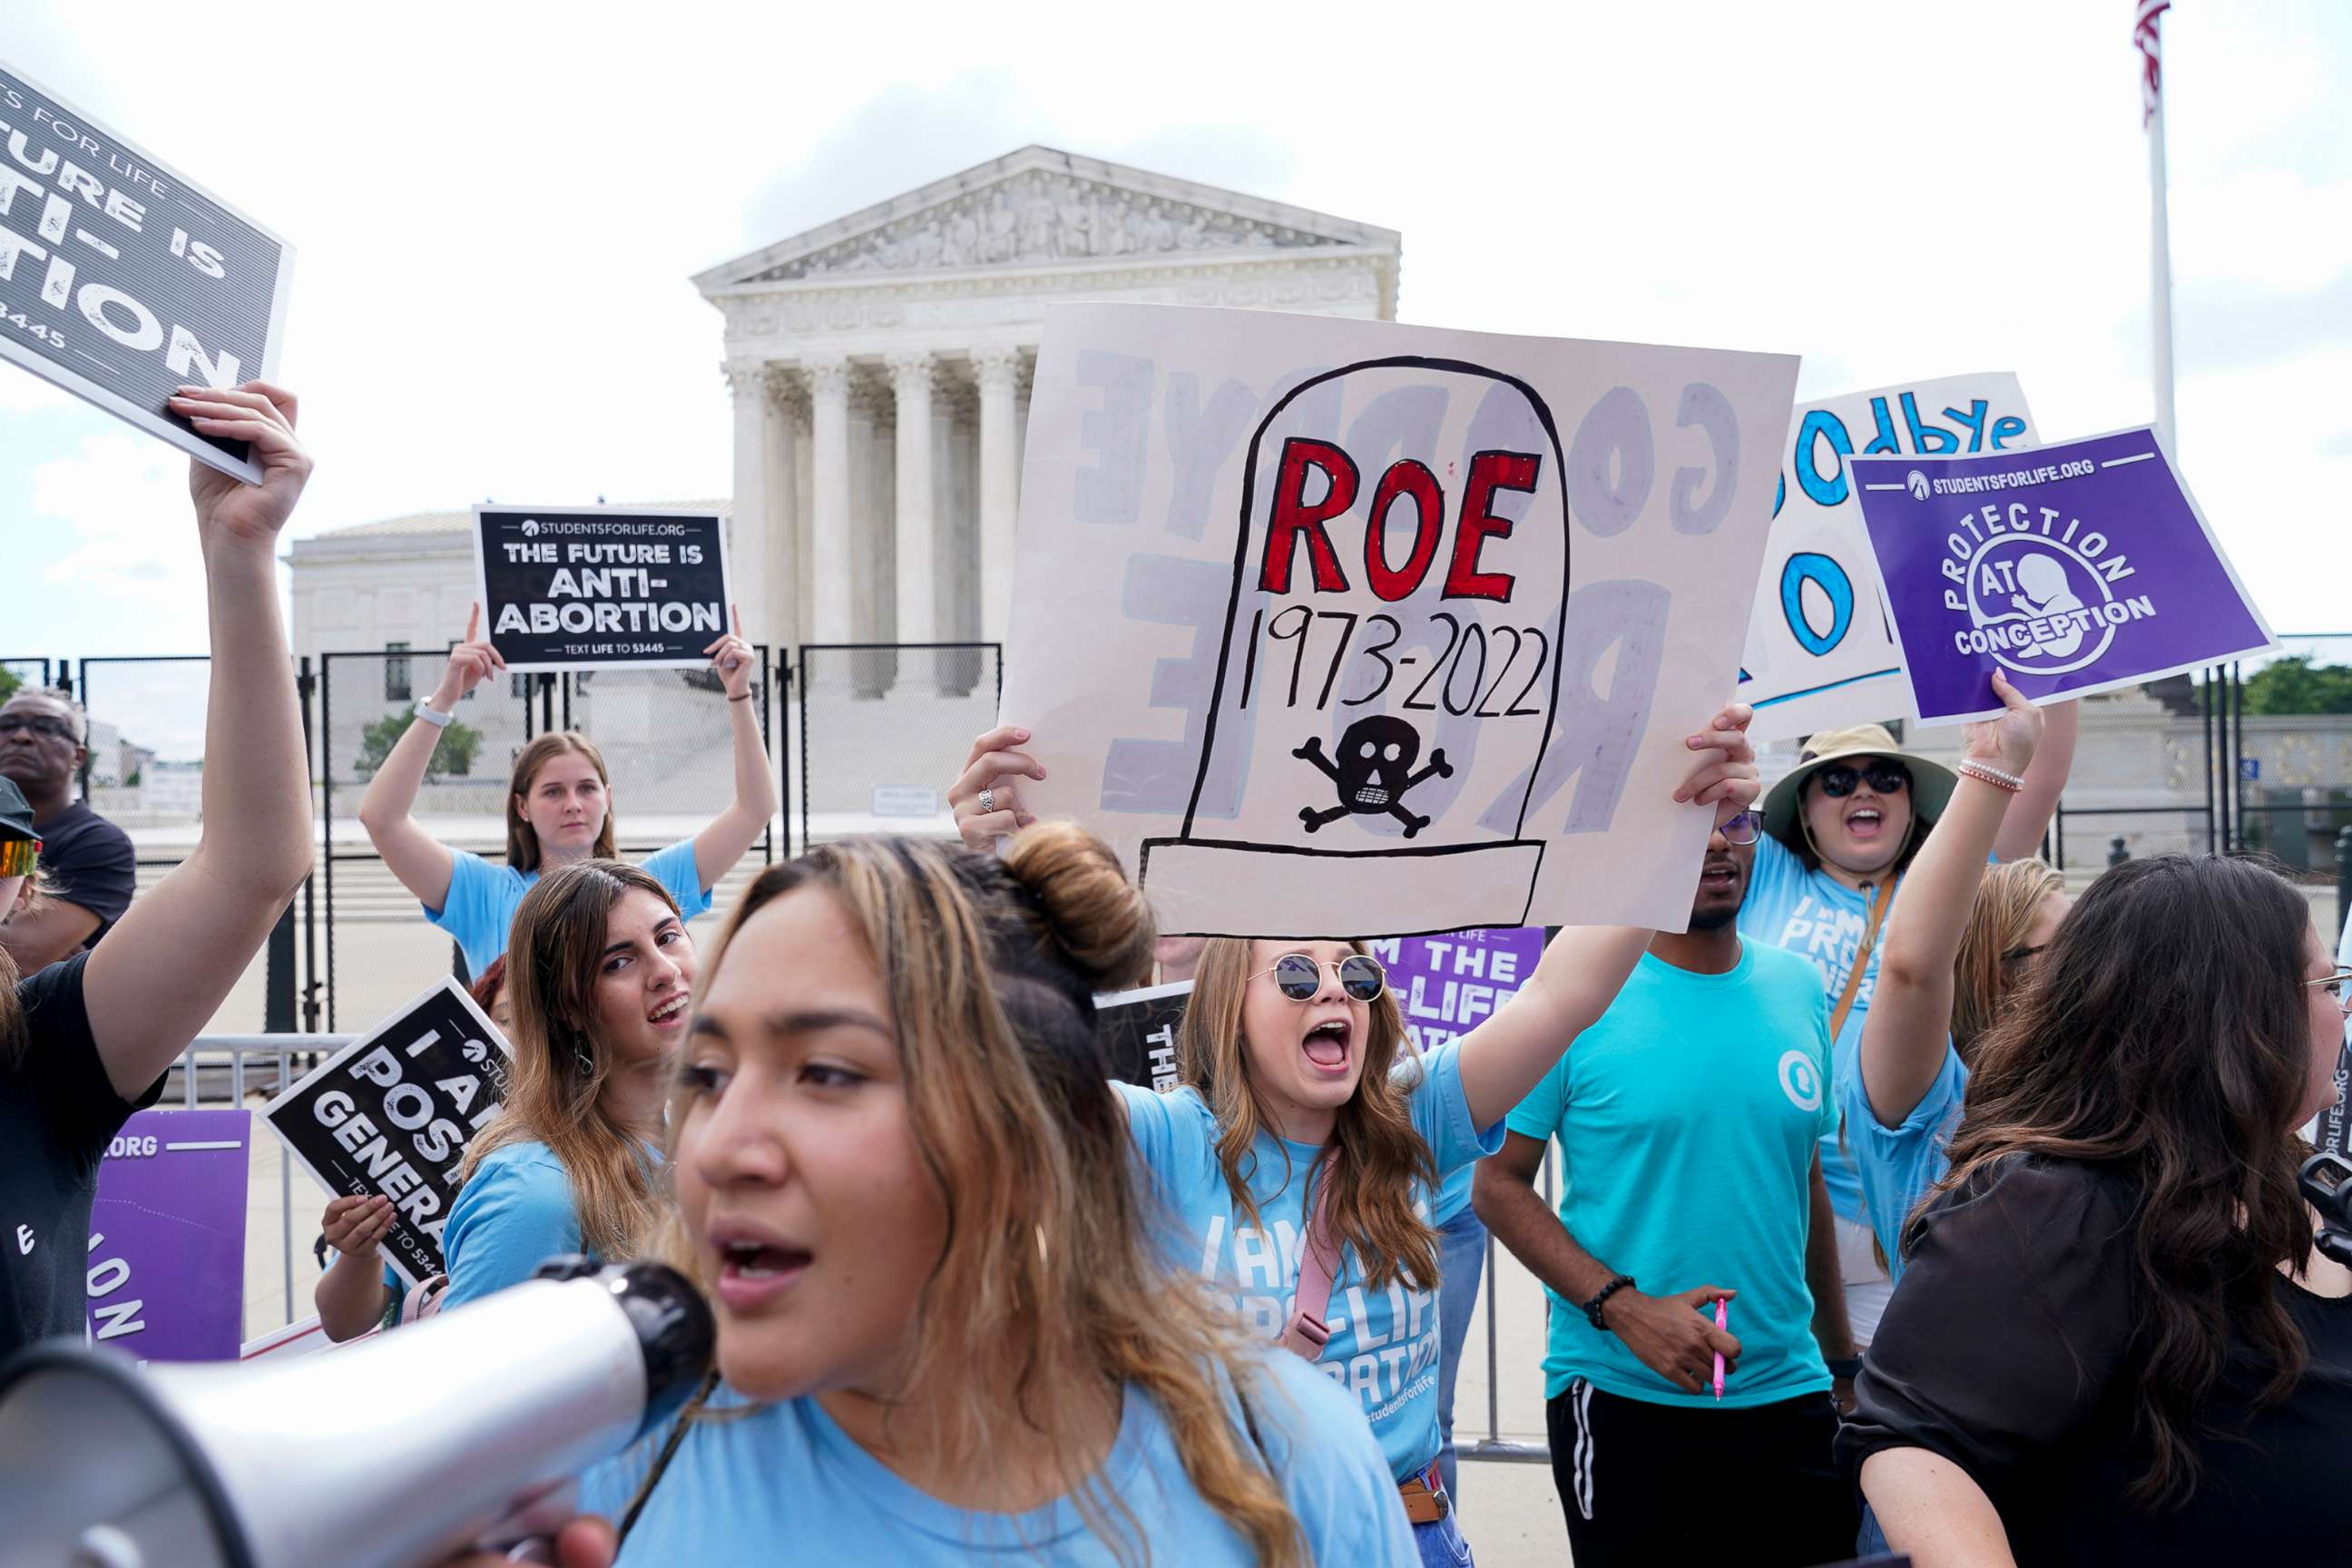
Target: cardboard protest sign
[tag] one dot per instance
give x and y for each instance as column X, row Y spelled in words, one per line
column 1333, row 625
column 1138, row 1033
column 2078, row 567
column 1820, row 653
column 390, row 1114
column 166, row 1271
column 121, row 281
column 1446, row 985
column 602, row 587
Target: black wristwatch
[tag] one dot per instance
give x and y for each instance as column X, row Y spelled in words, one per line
column 1593, row 1308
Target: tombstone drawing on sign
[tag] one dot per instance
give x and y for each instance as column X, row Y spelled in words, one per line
column 1389, row 664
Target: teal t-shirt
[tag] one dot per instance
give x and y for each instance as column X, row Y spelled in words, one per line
column 1383, row 1347
column 513, row 1213
column 1816, row 917
column 1898, row 1165
column 1687, row 1118
column 479, row 908
column 783, row 1483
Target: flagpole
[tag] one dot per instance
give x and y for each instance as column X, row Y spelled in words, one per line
column 2160, row 263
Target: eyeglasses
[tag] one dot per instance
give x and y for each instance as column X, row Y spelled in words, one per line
column 1740, row 830
column 1886, row 778
column 1300, row 976
column 40, row 725
column 2338, row 986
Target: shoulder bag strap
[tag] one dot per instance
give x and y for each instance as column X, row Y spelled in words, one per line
column 1878, row 902
column 1319, row 1263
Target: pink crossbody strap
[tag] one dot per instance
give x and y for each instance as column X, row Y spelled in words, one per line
column 1319, row 1263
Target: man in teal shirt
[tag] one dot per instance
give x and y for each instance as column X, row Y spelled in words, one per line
column 1688, row 1121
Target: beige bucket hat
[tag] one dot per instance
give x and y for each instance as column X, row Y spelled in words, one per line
column 1931, row 783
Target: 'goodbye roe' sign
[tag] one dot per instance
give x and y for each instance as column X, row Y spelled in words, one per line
column 1338, row 626
column 121, row 282
column 1821, row 654
column 2076, row 568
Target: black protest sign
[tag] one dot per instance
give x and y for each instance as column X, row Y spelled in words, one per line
column 121, row 281
column 390, row 1114
column 602, row 587
column 1138, row 1033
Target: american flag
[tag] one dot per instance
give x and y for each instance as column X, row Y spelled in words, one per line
column 2145, row 14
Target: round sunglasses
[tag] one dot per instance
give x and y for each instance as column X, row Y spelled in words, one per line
column 1300, row 976
column 1838, row 781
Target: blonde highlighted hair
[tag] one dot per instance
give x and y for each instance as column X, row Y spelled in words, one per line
column 2007, row 901
column 1375, row 1157
column 557, row 1078
column 523, row 839
column 1051, row 1280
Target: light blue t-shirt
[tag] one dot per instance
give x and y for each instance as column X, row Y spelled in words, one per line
column 1814, row 916
column 513, row 1213
column 1687, row 1120
column 785, row 1483
column 479, row 908
column 1898, row 1165
column 1384, row 1344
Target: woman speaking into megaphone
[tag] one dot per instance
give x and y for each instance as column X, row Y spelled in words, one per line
column 908, row 1187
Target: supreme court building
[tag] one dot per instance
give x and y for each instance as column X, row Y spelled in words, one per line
column 881, row 364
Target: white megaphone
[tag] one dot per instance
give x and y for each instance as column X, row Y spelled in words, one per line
column 459, row 1429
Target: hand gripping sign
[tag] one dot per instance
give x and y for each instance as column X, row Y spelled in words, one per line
column 1336, row 626
column 2077, row 567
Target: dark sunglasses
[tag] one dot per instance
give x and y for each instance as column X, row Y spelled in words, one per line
column 1300, row 976
column 59, row 728
column 1886, row 778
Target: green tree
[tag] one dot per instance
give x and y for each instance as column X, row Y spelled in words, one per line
column 8, row 683
column 2295, row 685
column 460, row 744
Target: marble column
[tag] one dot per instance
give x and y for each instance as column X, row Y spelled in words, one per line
column 748, row 540
column 828, row 380
column 910, row 381
column 780, row 612
column 999, row 369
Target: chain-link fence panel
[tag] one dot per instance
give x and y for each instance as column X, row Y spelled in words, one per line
column 668, row 742
column 882, row 732
column 144, row 770
column 19, row 673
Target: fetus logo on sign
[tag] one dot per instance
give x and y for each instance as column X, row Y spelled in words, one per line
column 2041, row 601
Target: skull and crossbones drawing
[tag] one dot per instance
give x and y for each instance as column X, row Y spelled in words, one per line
column 1373, row 772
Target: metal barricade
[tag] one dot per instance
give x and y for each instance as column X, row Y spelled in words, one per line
column 221, row 1070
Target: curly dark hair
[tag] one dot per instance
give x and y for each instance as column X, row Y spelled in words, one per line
column 2166, row 1037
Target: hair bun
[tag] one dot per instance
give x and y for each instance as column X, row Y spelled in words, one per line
column 1096, row 916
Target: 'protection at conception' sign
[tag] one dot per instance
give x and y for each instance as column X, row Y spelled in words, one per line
column 121, row 281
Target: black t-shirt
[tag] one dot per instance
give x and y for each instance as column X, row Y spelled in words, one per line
column 57, row 1112
column 2008, row 1350
column 91, row 862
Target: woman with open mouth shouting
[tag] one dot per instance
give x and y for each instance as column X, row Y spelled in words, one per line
column 598, row 978
column 1840, row 829
column 946, row 1332
column 1301, row 1153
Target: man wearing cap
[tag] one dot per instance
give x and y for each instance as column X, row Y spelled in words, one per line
column 1839, row 831
column 87, row 859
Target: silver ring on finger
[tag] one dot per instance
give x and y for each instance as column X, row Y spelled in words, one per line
column 987, row 801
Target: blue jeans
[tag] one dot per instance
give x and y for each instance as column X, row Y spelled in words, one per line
column 1461, row 1260
column 1441, row 1544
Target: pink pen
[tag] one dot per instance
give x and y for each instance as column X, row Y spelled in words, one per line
column 1723, row 1321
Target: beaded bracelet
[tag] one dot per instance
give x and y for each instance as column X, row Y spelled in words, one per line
column 1991, row 775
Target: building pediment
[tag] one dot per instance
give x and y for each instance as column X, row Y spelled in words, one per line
column 1040, row 207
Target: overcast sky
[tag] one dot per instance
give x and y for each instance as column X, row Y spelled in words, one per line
column 495, row 222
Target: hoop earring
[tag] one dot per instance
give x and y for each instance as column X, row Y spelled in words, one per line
column 587, row 1063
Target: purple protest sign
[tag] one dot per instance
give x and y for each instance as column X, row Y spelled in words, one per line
column 2076, row 567
column 1447, row 984
column 167, row 1236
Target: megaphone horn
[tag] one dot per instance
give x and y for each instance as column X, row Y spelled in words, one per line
column 391, row 1454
